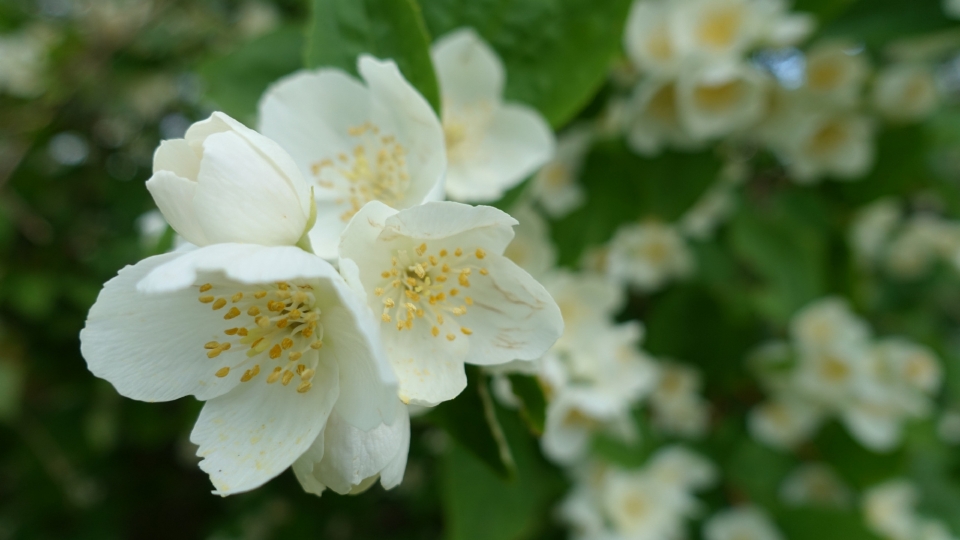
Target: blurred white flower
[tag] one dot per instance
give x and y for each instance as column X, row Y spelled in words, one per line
column 286, row 344
column 256, row 18
column 649, row 38
column 446, row 295
column 676, row 465
column 151, row 226
column 872, row 227
column 653, row 120
column 588, row 302
column 491, row 145
column 905, row 92
column 676, row 405
column 889, row 509
column 781, row 28
column 556, row 186
column 531, row 247
column 719, row 100
column 714, row 31
column 815, row 484
column 923, row 239
column 24, row 59
column 836, row 72
column 825, row 323
column 356, row 142
column 948, row 427
column 742, row 523
column 648, row 255
column 227, row 183
column 784, row 422
column 839, row 145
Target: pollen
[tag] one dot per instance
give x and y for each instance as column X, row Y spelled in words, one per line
column 206, row 299
column 451, row 337
column 205, row 287
column 435, row 331
column 458, row 252
column 466, row 331
column 223, row 372
column 480, row 253
column 219, row 303
column 232, row 314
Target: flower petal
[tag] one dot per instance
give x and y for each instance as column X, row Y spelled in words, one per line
column 253, row 433
column 304, row 465
column 150, row 347
column 517, row 142
column 242, row 197
column 512, row 317
column 468, row 69
column 430, row 369
column 178, row 157
column 174, row 197
column 352, row 456
column 472, row 225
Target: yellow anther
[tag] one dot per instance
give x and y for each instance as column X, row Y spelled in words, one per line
column 316, row 345
column 283, row 286
column 433, row 260
column 253, row 311
column 247, row 375
column 307, row 332
column 295, row 314
column 443, row 253
column 378, row 291
column 237, row 297
column 274, row 375
column 468, row 300
column 224, row 346
column 439, row 319
column 205, row 287
column 410, row 306
column 396, row 283
column 480, row 253
column 418, row 269
column 211, row 345
column 223, row 372
column 231, row 331
column 282, row 323
column 441, row 297
column 420, row 312
column 451, row 337
column 385, row 317
column 445, row 267
column 399, row 324
column 307, row 374
column 232, row 314
column 295, row 355
column 458, row 311
column 287, row 377
column 206, row 299
column 466, row 331
column 385, row 274
column 275, row 352
column 299, row 369
column 412, row 295
column 458, row 252
column 441, row 278
column 393, row 261
column 464, row 282
column 389, row 302
column 219, row 303
column 259, row 294
column 214, row 353
column 454, row 292
column 408, row 323
column 283, row 294
column 286, row 343
column 304, row 387
column 242, row 332
column 422, row 249
column 411, row 282
column 263, row 322
column 275, row 305
column 435, row 331
column 484, row 271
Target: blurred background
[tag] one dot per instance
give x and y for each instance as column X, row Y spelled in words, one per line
column 89, row 87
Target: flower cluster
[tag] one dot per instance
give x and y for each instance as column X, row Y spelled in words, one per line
column 890, row 510
column 323, row 283
column 832, row 367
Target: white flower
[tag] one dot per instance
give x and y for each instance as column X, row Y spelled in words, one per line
column 349, row 460
column 784, row 422
column 491, row 145
column 445, row 293
column 587, row 301
column 531, row 248
column 715, row 30
column 872, row 227
column 815, row 484
column 24, row 59
column 822, row 143
column 226, row 183
column 719, row 100
column 781, row 28
column 555, row 186
column 889, row 509
column 905, row 92
column 649, row 37
column 653, row 120
column 356, row 142
column 676, row 405
column 678, row 466
column 923, row 239
column 910, row 363
column 743, row 523
column 648, row 255
column 827, row 322
column 641, row 507
column 835, row 73
column 271, row 338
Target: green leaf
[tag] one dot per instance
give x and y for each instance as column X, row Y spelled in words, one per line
column 622, row 187
column 878, row 22
column 480, row 505
column 342, row 30
column 824, row 10
column 235, row 82
column 823, row 524
column 533, row 404
column 470, row 420
column 557, row 52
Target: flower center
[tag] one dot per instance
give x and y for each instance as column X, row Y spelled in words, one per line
column 429, row 285
column 720, row 28
column 280, row 320
column 376, row 171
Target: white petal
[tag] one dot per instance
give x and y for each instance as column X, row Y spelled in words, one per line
column 178, row 157
column 517, row 142
column 392, row 473
column 326, row 231
column 244, row 263
column 483, row 226
column 304, row 465
column 256, row 431
column 310, row 113
column 150, row 347
column 468, row 70
column 242, row 197
column 399, row 109
column 174, row 197
column 352, row 456
column 430, row 369
column 512, row 317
